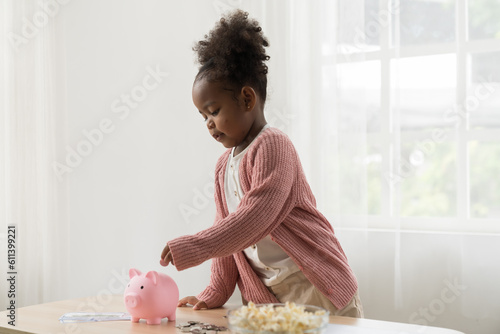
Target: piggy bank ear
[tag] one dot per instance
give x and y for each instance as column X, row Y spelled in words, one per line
column 133, row 272
column 152, row 275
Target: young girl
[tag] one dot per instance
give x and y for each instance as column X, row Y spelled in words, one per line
column 268, row 237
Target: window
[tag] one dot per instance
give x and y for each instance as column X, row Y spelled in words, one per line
column 425, row 75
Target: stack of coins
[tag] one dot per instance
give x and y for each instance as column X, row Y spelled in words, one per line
column 197, row 327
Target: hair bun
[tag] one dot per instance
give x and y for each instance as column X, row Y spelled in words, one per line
column 234, row 52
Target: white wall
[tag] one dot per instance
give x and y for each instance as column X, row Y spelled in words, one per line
column 126, row 194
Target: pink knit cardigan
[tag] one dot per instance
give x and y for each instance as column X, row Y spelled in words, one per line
column 277, row 201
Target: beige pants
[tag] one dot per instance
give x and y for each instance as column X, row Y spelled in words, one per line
column 298, row 289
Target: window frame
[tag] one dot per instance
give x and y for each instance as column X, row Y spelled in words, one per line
column 388, row 140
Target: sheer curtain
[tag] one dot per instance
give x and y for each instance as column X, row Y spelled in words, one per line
column 32, row 135
column 387, row 102
column 325, row 101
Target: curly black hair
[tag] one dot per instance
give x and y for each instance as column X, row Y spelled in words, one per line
column 233, row 52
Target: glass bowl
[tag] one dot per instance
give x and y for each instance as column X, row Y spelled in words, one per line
column 278, row 318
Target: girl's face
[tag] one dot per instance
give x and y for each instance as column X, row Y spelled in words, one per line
column 228, row 118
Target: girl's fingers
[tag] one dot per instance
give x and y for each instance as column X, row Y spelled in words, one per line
column 200, row 305
column 165, row 251
column 188, row 300
column 166, row 256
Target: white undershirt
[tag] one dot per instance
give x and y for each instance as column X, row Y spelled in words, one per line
column 266, row 257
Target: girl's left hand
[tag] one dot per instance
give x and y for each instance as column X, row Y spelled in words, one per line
column 166, row 256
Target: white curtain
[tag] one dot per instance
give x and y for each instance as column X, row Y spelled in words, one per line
column 32, row 134
column 317, row 100
column 374, row 95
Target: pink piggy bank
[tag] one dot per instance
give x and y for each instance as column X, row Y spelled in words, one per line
column 151, row 296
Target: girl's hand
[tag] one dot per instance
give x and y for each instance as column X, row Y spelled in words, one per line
column 166, row 256
column 197, row 304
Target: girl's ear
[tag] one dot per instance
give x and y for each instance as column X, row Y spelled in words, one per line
column 249, row 97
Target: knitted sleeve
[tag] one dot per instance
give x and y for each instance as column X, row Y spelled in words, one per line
column 272, row 168
column 224, row 273
column 222, row 282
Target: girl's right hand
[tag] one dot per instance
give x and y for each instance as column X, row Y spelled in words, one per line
column 197, row 304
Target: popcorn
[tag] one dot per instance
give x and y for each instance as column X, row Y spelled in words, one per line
column 290, row 318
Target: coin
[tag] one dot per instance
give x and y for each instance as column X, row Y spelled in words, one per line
column 197, row 327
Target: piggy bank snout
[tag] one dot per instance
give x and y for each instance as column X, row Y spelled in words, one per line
column 132, row 300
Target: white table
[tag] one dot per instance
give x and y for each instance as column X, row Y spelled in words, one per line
column 44, row 319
